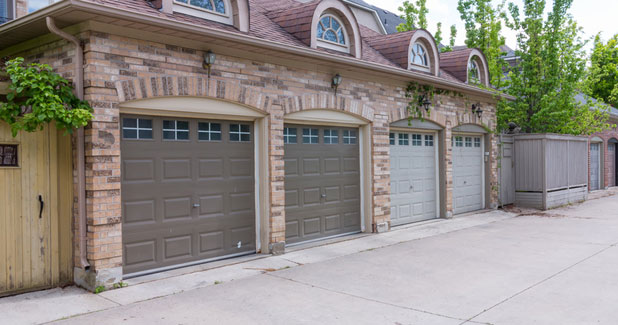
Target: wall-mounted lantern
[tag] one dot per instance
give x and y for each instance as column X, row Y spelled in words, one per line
column 336, row 82
column 476, row 108
column 209, row 60
column 426, row 102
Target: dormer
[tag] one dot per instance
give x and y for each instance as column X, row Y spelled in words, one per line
column 322, row 24
column 467, row 65
column 229, row 12
column 412, row 50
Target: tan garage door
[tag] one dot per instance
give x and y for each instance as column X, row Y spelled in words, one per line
column 187, row 191
column 322, row 182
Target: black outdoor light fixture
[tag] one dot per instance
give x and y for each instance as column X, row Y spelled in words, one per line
column 209, row 60
column 426, row 102
column 476, row 108
column 336, row 82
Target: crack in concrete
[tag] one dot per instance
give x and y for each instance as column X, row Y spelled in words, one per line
column 371, row 299
column 538, row 283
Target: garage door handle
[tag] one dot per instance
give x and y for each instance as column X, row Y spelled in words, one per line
column 196, row 205
column 323, row 195
column 42, row 205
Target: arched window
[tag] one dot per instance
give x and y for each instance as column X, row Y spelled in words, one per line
column 217, row 6
column 419, row 55
column 474, row 74
column 332, row 34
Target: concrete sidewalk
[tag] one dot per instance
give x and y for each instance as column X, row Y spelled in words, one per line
column 555, row 267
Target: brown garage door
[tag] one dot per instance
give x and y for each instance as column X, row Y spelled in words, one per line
column 322, row 182
column 187, row 191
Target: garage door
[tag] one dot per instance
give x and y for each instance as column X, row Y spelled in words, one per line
column 322, row 182
column 611, row 164
column 187, row 191
column 467, row 173
column 595, row 166
column 413, row 177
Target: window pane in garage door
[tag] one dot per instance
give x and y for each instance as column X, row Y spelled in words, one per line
column 322, row 182
column 188, row 196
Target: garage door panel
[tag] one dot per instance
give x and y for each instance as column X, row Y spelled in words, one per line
column 325, row 172
column 332, row 166
column 413, row 178
column 332, row 222
column 311, row 196
column 210, row 169
column 351, row 220
column 292, row 229
column 141, row 253
column 311, row 166
column 311, row 226
column 176, row 169
column 211, row 205
column 211, row 242
column 142, row 212
column 177, row 247
column 138, row 170
column 351, row 165
column 333, row 194
column 200, row 192
column 176, row 208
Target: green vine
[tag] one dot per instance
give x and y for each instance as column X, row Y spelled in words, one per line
column 417, row 94
column 37, row 96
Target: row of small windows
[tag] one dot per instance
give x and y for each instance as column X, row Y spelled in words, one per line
column 467, row 142
column 403, row 139
column 178, row 130
column 312, row 136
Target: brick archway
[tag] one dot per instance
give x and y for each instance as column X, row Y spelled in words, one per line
column 170, row 86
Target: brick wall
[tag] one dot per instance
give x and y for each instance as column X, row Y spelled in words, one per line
column 119, row 68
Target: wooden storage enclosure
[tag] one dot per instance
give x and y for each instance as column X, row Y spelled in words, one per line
column 550, row 170
column 36, row 195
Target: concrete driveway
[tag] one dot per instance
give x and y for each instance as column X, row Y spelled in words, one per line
column 559, row 267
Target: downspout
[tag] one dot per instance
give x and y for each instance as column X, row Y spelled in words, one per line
column 78, row 81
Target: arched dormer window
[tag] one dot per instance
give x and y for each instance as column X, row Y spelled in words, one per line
column 473, row 71
column 477, row 69
column 229, row 12
column 331, row 33
column 418, row 55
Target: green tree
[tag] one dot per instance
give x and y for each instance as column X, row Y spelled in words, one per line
column 602, row 80
column 39, row 96
column 415, row 16
column 551, row 68
column 483, row 23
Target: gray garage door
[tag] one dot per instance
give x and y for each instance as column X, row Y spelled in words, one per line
column 611, row 164
column 413, row 177
column 595, row 166
column 187, row 191
column 467, row 173
column 322, row 182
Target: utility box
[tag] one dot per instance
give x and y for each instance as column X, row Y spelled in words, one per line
column 551, row 170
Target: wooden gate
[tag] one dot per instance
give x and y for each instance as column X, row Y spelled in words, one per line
column 35, row 210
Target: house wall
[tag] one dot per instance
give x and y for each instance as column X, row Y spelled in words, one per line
column 606, row 136
column 120, row 68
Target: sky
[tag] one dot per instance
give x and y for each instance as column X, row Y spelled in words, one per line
column 593, row 15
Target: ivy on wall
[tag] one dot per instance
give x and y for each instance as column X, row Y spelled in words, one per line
column 417, row 93
column 37, row 96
